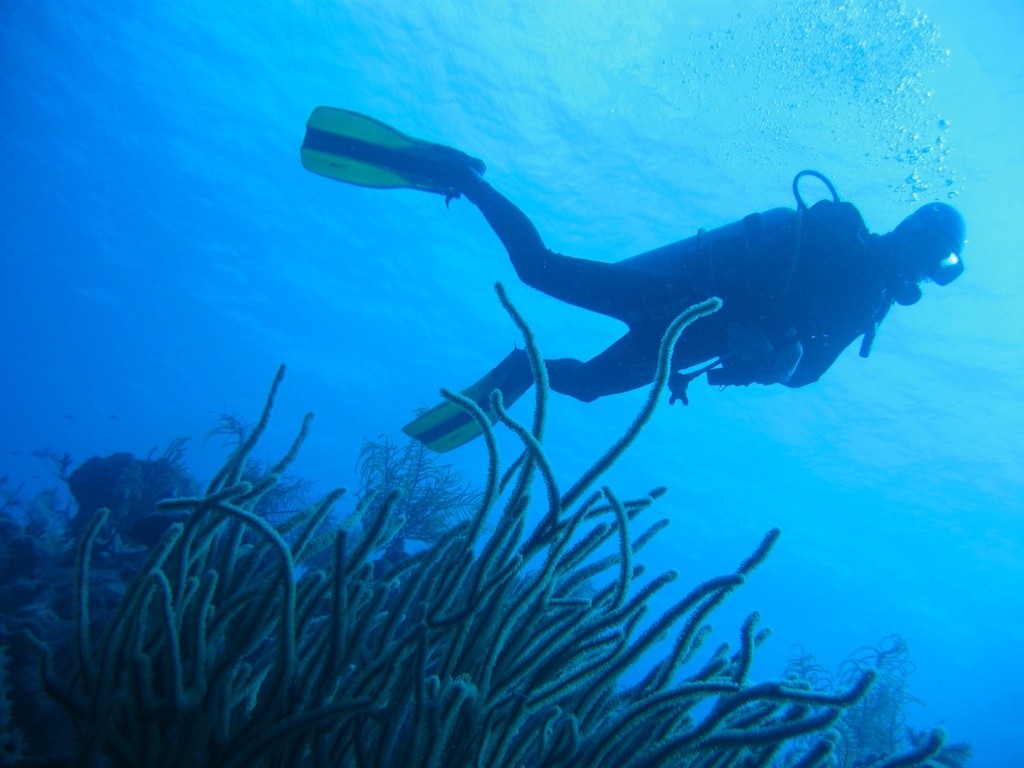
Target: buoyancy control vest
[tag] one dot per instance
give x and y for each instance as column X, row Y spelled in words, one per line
column 803, row 275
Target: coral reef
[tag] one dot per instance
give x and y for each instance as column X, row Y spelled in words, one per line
column 12, row 741
column 37, row 556
column 874, row 730
column 433, row 497
column 129, row 488
column 501, row 646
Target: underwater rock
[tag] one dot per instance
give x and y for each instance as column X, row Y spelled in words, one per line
column 130, row 488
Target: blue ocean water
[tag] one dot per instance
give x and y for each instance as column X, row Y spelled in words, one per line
column 163, row 251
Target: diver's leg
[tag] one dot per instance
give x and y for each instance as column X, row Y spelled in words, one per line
column 627, row 364
column 632, row 361
column 597, row 286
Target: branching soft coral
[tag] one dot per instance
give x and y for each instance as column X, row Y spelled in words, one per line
column 231, row 648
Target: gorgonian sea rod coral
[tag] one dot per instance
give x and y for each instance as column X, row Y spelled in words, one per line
column 243, row 643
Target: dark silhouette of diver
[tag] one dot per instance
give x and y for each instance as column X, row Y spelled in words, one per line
column 798, row 286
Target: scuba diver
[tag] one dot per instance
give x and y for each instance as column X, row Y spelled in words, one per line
column 798, row 286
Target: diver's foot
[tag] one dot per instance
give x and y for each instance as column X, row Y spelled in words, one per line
column 460, row 162
column 457, row 170
column 474, row 165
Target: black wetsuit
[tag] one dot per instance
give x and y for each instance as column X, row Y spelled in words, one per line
column 808, row 280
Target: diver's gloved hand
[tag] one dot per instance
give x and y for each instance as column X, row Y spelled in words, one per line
column 677, row 384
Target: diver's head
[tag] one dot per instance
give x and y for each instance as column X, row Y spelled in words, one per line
column 927, row 245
